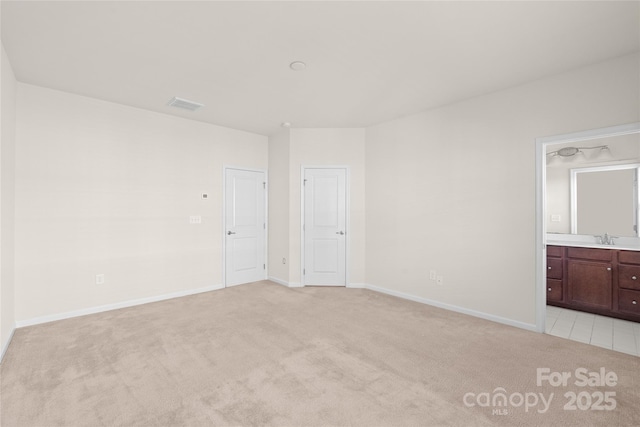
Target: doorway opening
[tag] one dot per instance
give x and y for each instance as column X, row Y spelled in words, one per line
column 560, row 302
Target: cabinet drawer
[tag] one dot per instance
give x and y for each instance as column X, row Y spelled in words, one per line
column 629, row 301
column 629, row 277
column 554, row 290
column 554, row 268
column 554, row 251
column 588, row 253
column 629, row 257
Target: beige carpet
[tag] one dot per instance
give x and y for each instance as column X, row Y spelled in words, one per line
column 263, row 354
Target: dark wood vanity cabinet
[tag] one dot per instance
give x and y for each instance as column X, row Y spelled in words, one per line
column 601, row 281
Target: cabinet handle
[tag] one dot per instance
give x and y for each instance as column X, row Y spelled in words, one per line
column 634, row 302
column 633, row 277
column 608, row 268
column 549, row 268
column 549, row 289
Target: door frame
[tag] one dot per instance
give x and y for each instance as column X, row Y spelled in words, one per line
column 224, row 219
column 347, row 207
column 541, row 203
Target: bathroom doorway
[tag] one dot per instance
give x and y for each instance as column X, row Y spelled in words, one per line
column 563, row 309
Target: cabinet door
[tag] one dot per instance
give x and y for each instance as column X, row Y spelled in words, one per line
column 554, row 268
column 590, row 284
column 554, row 290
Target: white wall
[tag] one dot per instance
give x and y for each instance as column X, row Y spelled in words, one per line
column 7, row 198
column 279, row 147
column 453, row 189
column 105, row 188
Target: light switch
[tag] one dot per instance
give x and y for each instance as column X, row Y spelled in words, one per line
column 195, row 219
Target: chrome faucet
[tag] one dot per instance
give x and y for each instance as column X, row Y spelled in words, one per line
column 606, row 239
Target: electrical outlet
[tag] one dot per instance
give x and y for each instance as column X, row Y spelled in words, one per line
column 99, row 279
column 440, row 280
column 432, row 275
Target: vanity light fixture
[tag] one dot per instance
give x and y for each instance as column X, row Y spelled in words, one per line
column 572, row 151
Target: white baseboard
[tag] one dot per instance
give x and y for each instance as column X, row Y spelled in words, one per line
column 357, row 285
column 5, row 346
column 131, row 303
column 451, row 307
column 284, row 282
column 115, row 306
column 278, row 281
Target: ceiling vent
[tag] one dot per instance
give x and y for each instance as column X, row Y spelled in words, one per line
column 185, row 104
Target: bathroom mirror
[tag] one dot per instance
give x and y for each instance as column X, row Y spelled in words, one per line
column 604, row 170
column 604, row 199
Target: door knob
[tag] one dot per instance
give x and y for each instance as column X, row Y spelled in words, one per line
column 229, row 233
column 340, row 233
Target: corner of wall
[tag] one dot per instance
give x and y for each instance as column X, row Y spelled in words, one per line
column 5, row 344
column 8, row 86
column 279, row 152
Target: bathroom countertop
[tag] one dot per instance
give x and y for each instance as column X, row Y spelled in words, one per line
column 621, row 247
column 585, row 241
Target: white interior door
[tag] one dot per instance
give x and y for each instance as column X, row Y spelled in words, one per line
column 325, row 227
column 245, row 226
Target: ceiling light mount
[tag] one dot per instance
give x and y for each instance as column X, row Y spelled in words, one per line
column 297, row 65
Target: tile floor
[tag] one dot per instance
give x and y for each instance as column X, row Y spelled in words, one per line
column 614, row 334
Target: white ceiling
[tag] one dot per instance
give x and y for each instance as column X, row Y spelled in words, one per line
column 367, row 61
